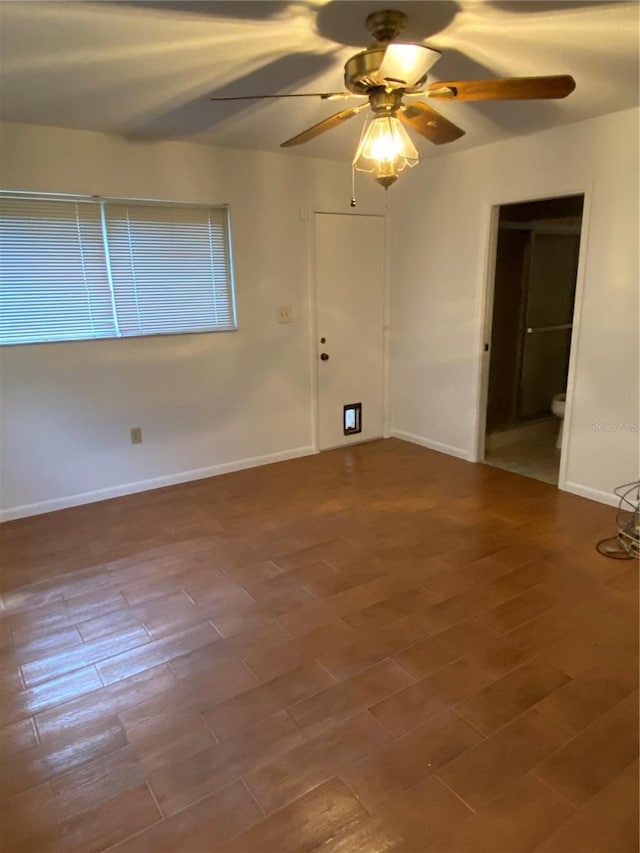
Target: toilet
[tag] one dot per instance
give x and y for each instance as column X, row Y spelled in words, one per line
column 557, row 407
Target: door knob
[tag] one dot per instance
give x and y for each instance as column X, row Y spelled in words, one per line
column 324, row 356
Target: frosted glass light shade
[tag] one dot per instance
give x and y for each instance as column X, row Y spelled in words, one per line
column 406, row 64
column 385, row 149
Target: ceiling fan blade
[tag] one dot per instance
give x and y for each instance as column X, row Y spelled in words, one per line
column 325, row 96
column 507, row 89
column 435, row 127
column 323, row 126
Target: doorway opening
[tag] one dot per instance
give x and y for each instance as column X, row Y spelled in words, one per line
column 533, row 306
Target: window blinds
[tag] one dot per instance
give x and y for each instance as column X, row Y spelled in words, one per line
column 71, row 270
column 170, row 268
column 54, row 283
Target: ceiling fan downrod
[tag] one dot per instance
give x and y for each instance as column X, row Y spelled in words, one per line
column 386, row 25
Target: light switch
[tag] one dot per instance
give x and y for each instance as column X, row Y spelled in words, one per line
column 285, row 314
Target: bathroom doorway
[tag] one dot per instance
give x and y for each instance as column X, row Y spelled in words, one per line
column 532, row 320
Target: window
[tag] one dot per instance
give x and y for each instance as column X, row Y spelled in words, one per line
column 82, row 268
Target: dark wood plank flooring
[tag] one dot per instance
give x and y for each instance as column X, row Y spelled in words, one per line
column 374, row 649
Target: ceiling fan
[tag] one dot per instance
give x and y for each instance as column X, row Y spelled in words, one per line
column 387, row 72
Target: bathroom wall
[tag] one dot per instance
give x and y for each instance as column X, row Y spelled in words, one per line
column 551, row 282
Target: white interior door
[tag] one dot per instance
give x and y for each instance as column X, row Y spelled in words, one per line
column 350, row 270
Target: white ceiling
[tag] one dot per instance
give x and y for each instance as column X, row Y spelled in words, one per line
column 147, row 69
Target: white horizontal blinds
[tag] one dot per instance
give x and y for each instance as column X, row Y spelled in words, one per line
column 170, row 268
column 53, row 278
column 77, row 269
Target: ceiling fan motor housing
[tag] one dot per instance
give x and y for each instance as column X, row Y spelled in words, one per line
column 360, row 70
column 390, row 64
column 361, row 73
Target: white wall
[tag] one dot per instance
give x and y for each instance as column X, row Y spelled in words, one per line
column 206, row 401
column 440, row 217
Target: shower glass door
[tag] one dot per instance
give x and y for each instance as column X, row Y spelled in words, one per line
column 553, row 265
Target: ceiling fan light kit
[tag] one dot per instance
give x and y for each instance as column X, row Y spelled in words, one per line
column 387, row 71
column 385, row 149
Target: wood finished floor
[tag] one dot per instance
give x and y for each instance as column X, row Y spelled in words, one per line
column 375, row 649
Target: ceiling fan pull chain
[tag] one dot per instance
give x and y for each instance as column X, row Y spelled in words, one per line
column 353, row 185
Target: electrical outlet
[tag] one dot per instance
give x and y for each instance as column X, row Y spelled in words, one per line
column 136, row 435
column 285, row 314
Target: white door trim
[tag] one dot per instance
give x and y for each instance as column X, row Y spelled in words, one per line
column 575, row 340
column 311, row 331
column 491, row 216
column 486, row 286
column 313, row 326
column 386, row 333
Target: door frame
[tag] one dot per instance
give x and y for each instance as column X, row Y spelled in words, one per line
column 491, row 217
column 312, row 314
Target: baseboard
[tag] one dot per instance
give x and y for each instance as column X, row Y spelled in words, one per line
column 449, row 449
column 592, row 494
column 154, row 483
column 253, row 462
